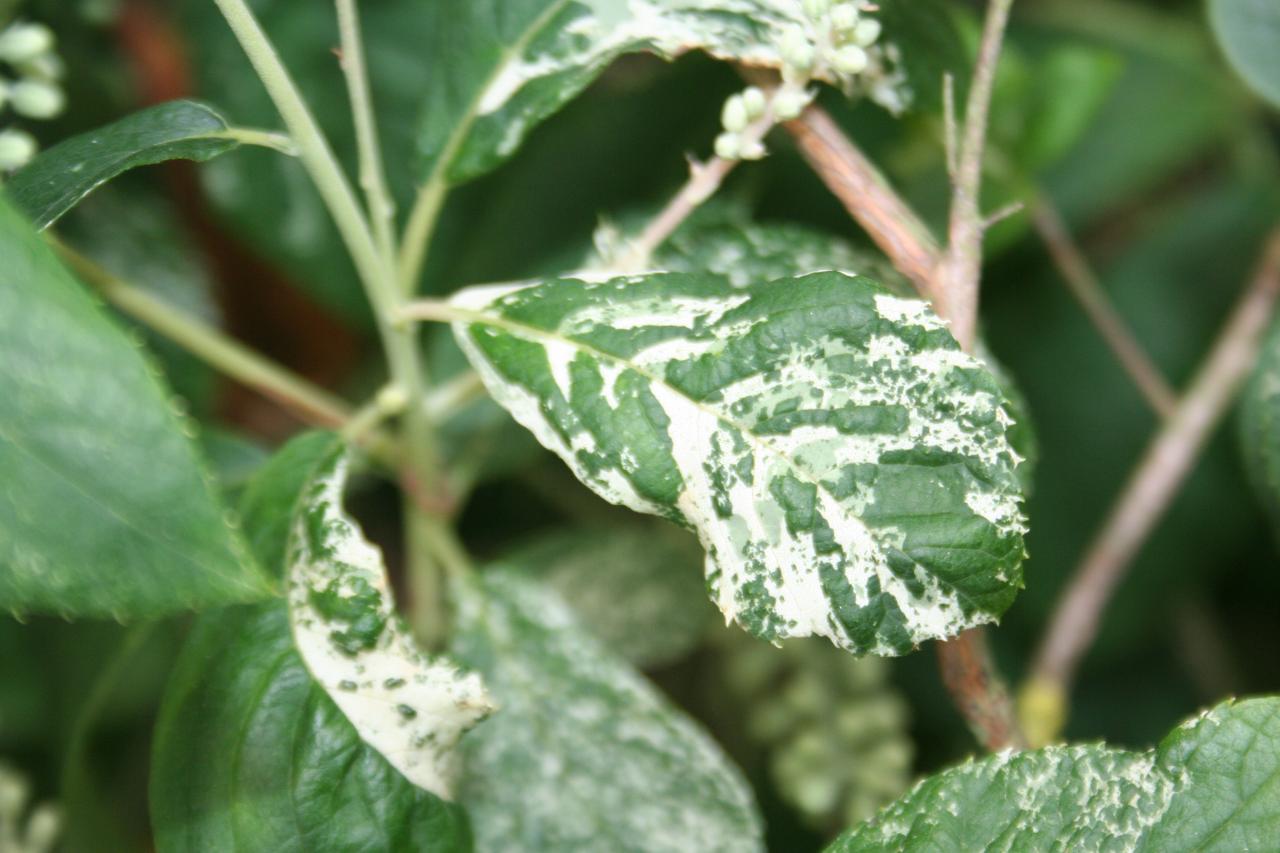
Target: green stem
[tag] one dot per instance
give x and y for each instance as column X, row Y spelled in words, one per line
column 372, row 175
column 281, row 142
column 310, row 402
column 420, row 227
column 422, row 481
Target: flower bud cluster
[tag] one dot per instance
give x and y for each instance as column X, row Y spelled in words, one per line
column 43, row 822
column 30, row 86
column 831, row 44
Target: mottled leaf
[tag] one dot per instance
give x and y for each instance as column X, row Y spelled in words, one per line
column 311, row 725
column 56, row 179
column 502, row 66
column 844, row 463
column 1249, row 32
column 409, row 708
column 638, row 589
column 583, row 753
column 1212, row 784
column 105, row 508
column 251, row 754
column 746, row 252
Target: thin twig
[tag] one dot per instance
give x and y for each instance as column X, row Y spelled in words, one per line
column 969, row 673
column 1079, row 276
column 961, row 267
column 373, row 177
column 869, row 199
column 704, row 180
column 309, row 402
column 1154, row 483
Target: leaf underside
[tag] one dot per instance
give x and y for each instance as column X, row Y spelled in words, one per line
column 845, row 465
column 583, row 753
column 60, row 177
column 1212, row 784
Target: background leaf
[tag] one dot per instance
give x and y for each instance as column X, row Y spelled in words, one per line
column 1248, row 32
column 612, row 765
column 1212, row 784
column 845, row 465
column 56, row 179
column 106, row 509
column 1260, row 427
column 638, row 589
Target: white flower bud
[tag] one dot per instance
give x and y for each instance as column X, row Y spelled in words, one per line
column 849, row 59
column 46, row 66
column 815, row 9
column 37, row 99
column 844, row 17
column 754, row 100
column 43, row 827
column 751, row 149
column 734, row 116
column 21, row 42
column 17, row 147
column 789, row 102
column 866, row 32
column 728, row 146
column 797, row 51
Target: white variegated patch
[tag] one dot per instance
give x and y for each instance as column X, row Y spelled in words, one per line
column 807, row 472
column 409, row 708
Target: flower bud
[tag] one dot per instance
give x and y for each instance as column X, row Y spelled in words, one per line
column 21, row 42
column 37, row 99
column 815, row 9
column 17, row 147
column 734, row 116
column 754, row 100
column 750, row 149
column 844, row 17
column 43, row 827
column 797, row 50
column 789, row 102
column 866, row 32
column 728, row 146
column 849, row 59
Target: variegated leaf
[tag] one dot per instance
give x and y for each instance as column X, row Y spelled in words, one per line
column 502, row 66
column 409, row 708
column 844, row 463
column 1212, row 784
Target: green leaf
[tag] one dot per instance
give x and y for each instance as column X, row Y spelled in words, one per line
column 251, row 754
column 58, row 178
column 1212, row 784
column 106, row 509
column 654, row 568
column 1260, row 427
column 845, row 465
column 268, row 504
column 317, row 724
column 925, row 35
column 583, row 753
column 1248, row 32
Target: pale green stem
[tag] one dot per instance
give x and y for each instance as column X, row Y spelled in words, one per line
column 422, row 482
column 281, row 142
column 309, row 402
column 372, row 175
column 420, row 227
